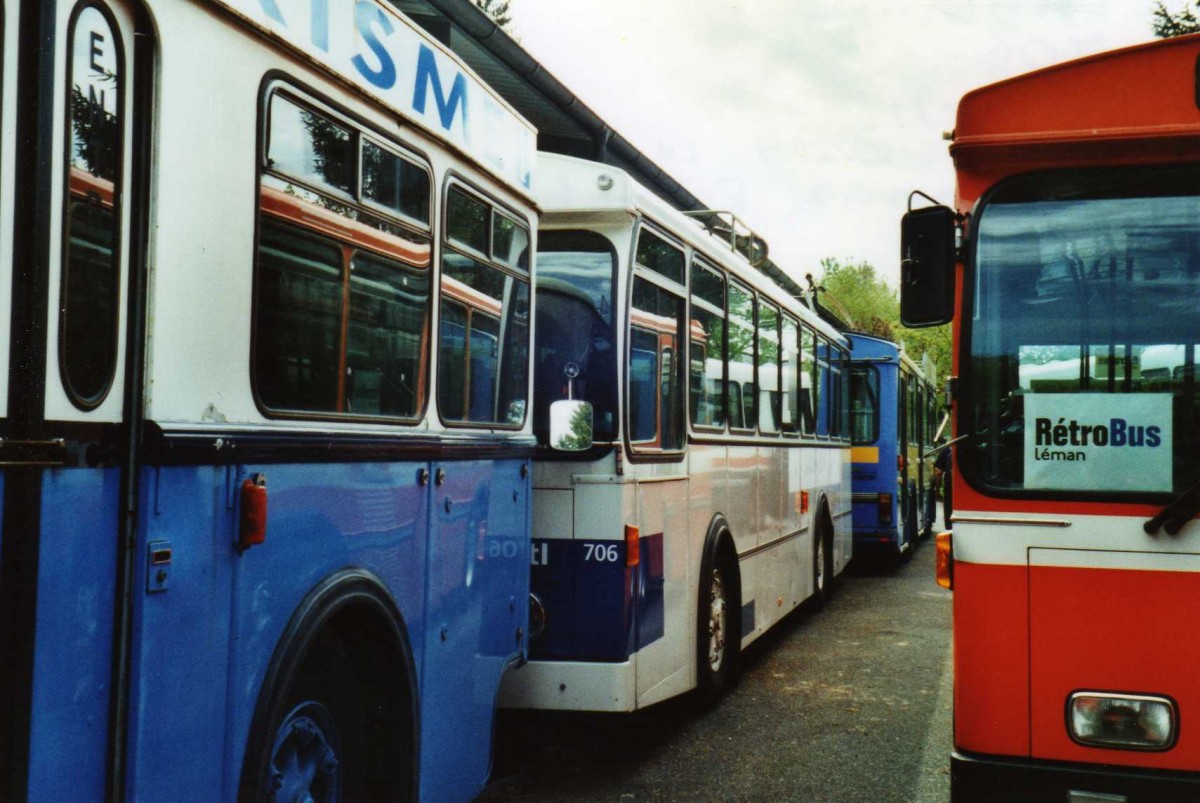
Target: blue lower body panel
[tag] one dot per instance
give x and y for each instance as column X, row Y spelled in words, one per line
column 454, row 558
column 597, row 607
column 73, row 647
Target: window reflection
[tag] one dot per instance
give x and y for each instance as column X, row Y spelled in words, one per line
column 655, row 392
column 707, row 372
column 575, row 278
column 310, row 147
column 1086, row 283
column 741, row 358
column 90, row 277
column 484, row 342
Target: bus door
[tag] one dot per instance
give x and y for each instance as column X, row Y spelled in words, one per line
column 902, row 436
column 76, row 240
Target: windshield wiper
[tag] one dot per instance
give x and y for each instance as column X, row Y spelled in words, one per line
column 1178, row 513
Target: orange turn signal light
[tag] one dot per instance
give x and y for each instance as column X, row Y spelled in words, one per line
column 633, row 551
column 945, row 561
column 252, row 527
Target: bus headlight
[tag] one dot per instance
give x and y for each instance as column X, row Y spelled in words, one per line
column 1128, row 721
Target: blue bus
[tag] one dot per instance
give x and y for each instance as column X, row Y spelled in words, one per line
column 893, row 406
column 265, row 449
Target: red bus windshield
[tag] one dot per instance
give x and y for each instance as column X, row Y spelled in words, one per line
column 1080, row 331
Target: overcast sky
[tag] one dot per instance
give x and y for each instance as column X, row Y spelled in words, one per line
column 811, row 119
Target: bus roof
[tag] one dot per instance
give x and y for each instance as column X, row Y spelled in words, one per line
column 374, row 47
column 574, row 191
column 872, row 348
column 1132, row 105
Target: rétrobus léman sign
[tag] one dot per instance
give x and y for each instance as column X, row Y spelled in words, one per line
column 369, row 44
column 1098, row 441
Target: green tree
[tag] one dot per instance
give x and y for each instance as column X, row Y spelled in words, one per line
column 1167, row 23
column 874, row 309
column 579, row 435
column 498, row 11
column 863, row 295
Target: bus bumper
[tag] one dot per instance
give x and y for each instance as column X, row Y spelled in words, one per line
column 571, row 686
column 987, row 778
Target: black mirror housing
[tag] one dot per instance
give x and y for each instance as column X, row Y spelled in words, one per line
column 927, row 263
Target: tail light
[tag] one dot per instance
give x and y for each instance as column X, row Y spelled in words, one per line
column 885, row 508
column 945, row 560
column 633, row 551
column 252, row 526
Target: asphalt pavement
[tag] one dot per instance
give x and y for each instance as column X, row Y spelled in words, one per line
column 850, row 704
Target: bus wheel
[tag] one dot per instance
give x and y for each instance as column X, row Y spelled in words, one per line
column 719, row 635
column 335, row 720
column 317, row 750
column 822, row 569
column 910, row 526
column 305, row 759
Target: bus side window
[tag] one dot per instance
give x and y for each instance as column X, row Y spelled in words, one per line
column 655, row 389
column 298, row 321
column 844, row 394
column 808, row 381
column 740, row 367
column 643, row 399
column 768, row 368
column 825, row 394
column 342, row 284
column 87, row 337
column 790, row 406
column 484, row 319
column 707, row 343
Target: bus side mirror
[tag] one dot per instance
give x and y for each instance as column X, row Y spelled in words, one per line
column 927, row 262
column 571, row 425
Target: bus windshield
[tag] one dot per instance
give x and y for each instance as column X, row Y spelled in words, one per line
column 574, row 286
column 1082, row 340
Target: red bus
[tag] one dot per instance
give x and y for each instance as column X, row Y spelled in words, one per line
column 1070, row 266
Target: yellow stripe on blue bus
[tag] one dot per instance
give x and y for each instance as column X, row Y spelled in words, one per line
column 864, row 454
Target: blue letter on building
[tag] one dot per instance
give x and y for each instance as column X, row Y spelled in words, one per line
column 271, row 10
column 427, row 73
column 319, row 24
column 365, row 14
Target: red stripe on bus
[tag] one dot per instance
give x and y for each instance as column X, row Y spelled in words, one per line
column 293, row 209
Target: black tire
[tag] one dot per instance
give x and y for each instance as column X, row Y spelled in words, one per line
column 910, row 527
column 318, row 746
column 718, row 626
column 335, row 720
column 822, row 564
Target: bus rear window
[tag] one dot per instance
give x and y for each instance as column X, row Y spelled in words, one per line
column 864, row 404
column 575, row 284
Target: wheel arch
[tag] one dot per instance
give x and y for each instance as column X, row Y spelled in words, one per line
column 719, row 545
column 351, row 602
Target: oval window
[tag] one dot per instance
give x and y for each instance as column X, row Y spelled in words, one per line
column 90, row 292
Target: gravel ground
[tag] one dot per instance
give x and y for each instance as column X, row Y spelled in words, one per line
column 851, row 704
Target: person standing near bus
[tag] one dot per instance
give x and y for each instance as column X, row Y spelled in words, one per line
column 942, row 473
